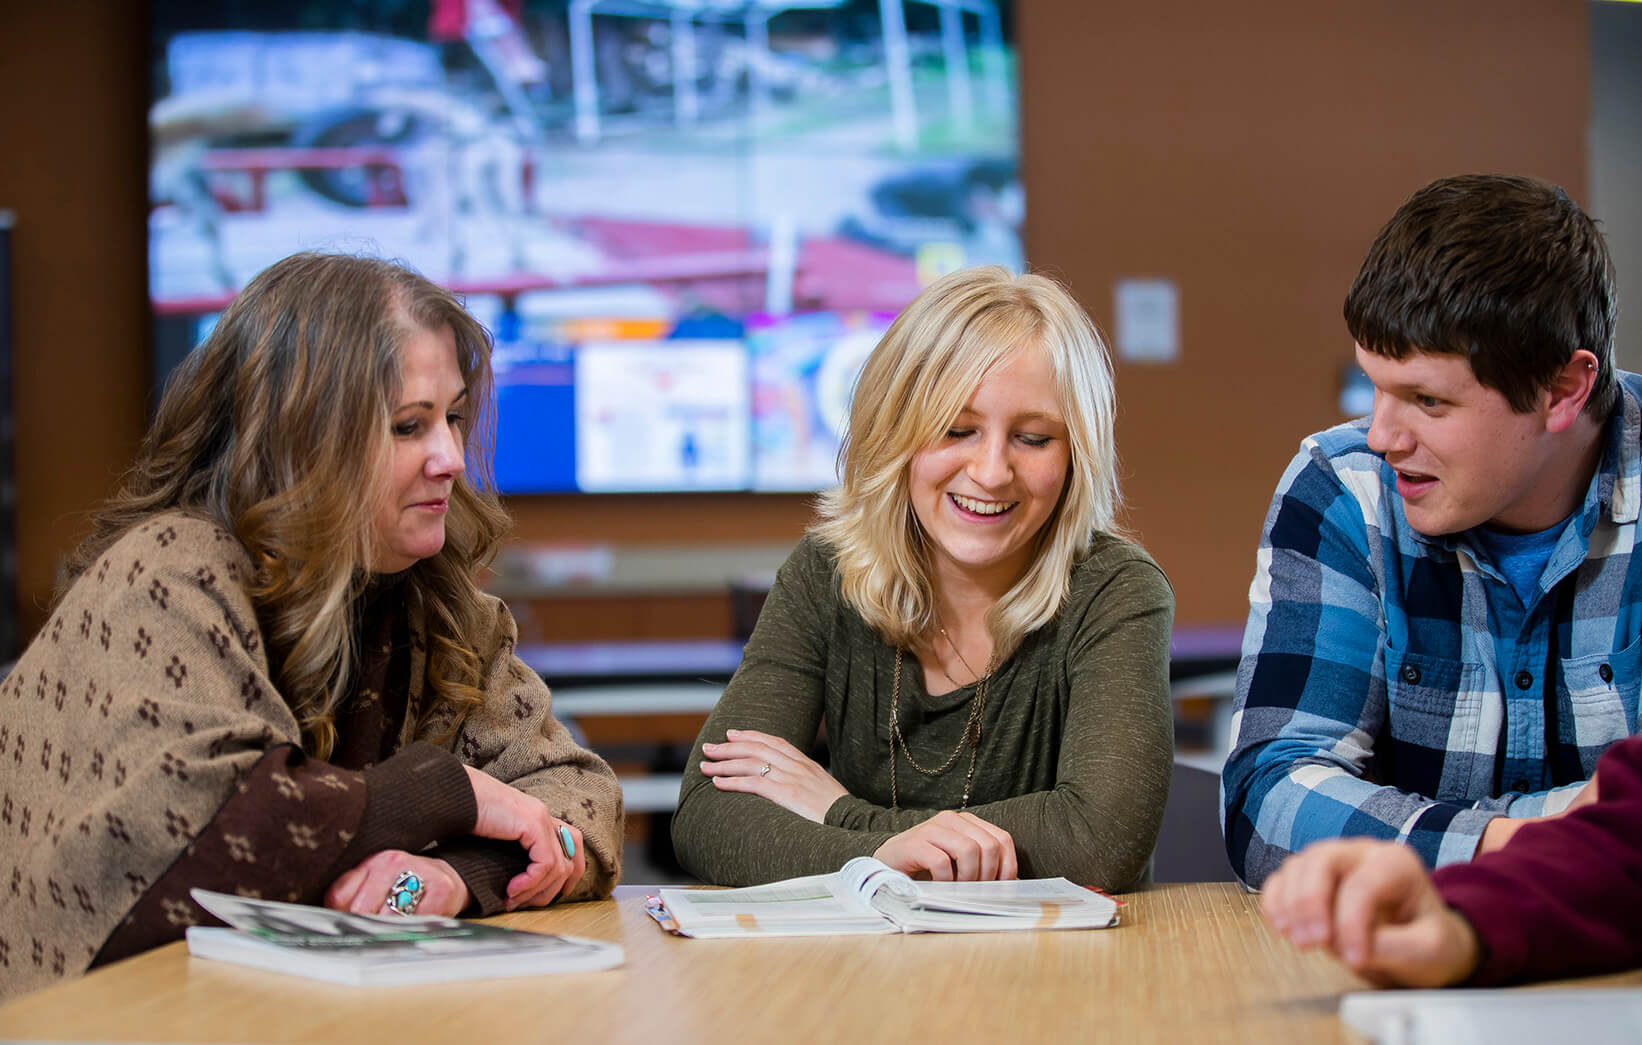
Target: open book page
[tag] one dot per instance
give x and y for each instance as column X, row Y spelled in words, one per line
column 868, row 896
column 867, row 876
column 1036, row 903
column 820, row 905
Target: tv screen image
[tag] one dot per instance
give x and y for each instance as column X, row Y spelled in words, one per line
column 804, row 368
column 685, row 221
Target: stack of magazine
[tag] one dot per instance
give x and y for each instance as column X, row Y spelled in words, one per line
column 367, row 949
column 868, row 896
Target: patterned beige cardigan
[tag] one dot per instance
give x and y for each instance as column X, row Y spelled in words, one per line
column 145, row 703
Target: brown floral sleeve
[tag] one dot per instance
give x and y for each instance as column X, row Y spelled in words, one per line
column 291, row 826
column 516, row 739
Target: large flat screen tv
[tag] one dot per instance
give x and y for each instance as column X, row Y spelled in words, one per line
column 686, row 221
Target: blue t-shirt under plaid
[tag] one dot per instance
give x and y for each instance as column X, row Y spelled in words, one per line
column 1395, row 685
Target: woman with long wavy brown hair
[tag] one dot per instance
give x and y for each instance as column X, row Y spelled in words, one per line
column 271, row 670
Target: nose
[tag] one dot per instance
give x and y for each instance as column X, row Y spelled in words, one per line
column 990, row 466
column 1386, row 433
column 446, row 457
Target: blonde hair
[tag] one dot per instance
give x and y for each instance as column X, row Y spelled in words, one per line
column 272, row 428
column 912, row 387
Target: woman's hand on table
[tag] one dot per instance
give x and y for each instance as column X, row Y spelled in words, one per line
column 768, row 766
column 1372, row 904
column 510, row 815
column 952, row 847
column 364, row 888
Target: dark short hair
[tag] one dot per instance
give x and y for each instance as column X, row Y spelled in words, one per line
column 1505, row 271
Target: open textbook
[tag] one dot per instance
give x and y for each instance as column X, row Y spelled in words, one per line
column 369, row 949
column 868, row 896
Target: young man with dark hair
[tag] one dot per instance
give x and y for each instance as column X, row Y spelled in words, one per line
column 1444, row 620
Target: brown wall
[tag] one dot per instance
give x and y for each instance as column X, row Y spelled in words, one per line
column 1248, row 152
column 73, row 119
column 1251, row 152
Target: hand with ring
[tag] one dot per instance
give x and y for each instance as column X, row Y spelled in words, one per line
column 558, row 857
column 407, row 891
column 768, row 766
column 396, row 882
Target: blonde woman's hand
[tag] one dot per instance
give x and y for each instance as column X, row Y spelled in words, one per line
column 510, row 815
column 1372, row 904
column 952, row 847
column 364, row 888
column 765, row 765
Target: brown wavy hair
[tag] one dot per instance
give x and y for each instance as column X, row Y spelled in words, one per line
column 273, row 426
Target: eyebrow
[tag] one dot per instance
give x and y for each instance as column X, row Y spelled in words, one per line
column 1041, row 415
column 1415, row 388
column 427, row 404
column 1030, row 415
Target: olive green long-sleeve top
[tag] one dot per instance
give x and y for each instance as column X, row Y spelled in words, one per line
column 1076, row 745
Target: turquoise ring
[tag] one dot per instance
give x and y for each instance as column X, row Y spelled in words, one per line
column 567, row 842
column 406, row 893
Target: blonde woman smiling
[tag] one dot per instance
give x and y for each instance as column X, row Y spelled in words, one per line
column 988, row 657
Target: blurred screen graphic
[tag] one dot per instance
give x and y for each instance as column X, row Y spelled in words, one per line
column 686, row 222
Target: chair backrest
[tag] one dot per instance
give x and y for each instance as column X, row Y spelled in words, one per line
column 1189, row 847
column 747, row 595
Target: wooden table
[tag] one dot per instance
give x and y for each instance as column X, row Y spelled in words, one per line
column 1188, row 963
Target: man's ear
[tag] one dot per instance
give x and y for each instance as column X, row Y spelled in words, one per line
column 1568, row 392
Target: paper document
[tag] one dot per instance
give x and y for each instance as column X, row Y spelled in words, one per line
column 1527, row 1015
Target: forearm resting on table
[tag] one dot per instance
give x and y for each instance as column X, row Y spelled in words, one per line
column 737, row 839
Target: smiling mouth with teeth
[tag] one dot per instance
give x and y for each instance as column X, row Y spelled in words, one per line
column 969, row 504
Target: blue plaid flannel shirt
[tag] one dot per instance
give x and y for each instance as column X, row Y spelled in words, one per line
column 1394, row 685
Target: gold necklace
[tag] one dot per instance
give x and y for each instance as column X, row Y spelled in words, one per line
column 972, row 732
column 973, row 674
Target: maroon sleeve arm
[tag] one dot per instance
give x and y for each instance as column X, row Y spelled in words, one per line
column 1563, row 897
column 291, row 825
